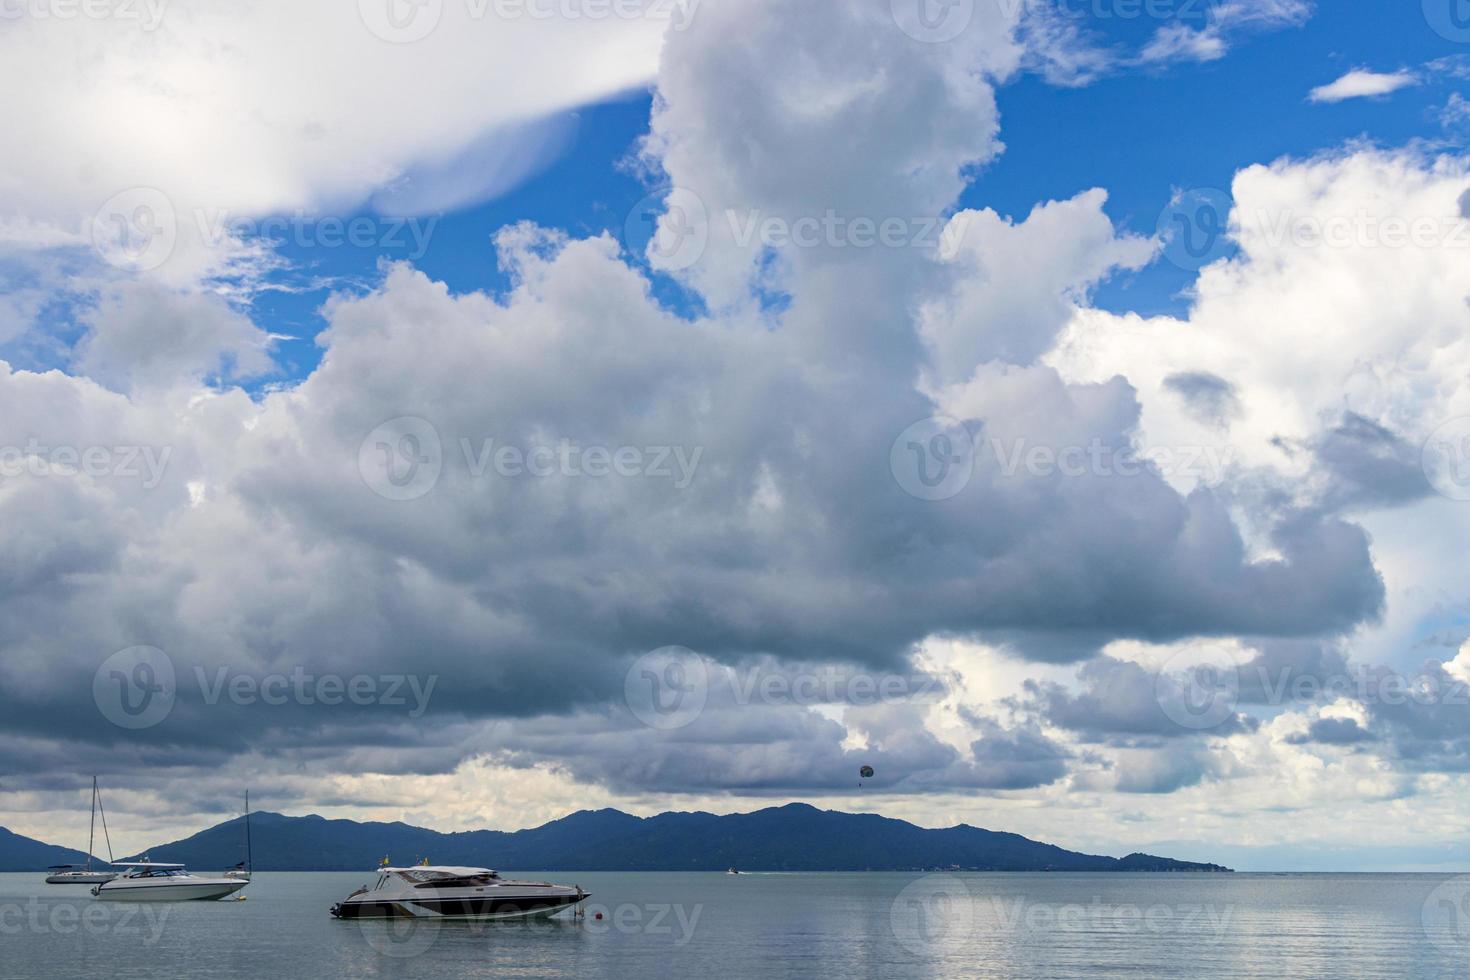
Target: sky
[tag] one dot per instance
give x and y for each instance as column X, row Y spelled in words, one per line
column 472, row 411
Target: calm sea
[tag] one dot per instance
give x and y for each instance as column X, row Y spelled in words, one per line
column 757, row 926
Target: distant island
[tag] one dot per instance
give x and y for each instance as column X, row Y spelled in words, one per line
column 797, row 837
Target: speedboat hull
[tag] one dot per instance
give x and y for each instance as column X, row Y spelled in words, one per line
column 484, row 908
column 168, row 890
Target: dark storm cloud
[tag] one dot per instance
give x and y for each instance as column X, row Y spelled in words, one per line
column 1368, row 466
column 1333, row 731
column 1121, row 702
column 1207, row 397
column 1162, row 771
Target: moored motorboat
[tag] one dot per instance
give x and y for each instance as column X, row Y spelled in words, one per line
column 439, row 892
column 77, row 876
column 147, row 881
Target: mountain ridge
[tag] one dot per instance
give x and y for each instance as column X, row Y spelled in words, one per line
column 794, row 837
column 21, row 853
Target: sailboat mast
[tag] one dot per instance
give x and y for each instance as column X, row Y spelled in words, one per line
column 92, row 828
column 249, row 857
column 105, row 835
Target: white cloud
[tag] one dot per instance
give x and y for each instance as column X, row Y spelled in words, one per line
column 1361, row 84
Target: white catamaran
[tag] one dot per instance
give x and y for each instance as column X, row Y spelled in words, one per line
column 70, row 874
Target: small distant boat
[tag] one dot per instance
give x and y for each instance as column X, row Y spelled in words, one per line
column 432, row 892
column 148, row 881
column 732, row 871
column 60, row 875
column 70, row 874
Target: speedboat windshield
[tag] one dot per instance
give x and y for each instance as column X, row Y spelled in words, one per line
column 436, row 878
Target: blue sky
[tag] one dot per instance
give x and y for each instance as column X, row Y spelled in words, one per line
column 1139, row 134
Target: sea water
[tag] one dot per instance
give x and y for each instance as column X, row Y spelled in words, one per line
column 755, row 926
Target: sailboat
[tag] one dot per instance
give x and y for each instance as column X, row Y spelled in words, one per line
column 70, row 874
column 243, row 869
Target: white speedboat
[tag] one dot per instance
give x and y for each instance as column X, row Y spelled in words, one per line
column 70, row 874
column 435, row 892
column 150, row 882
